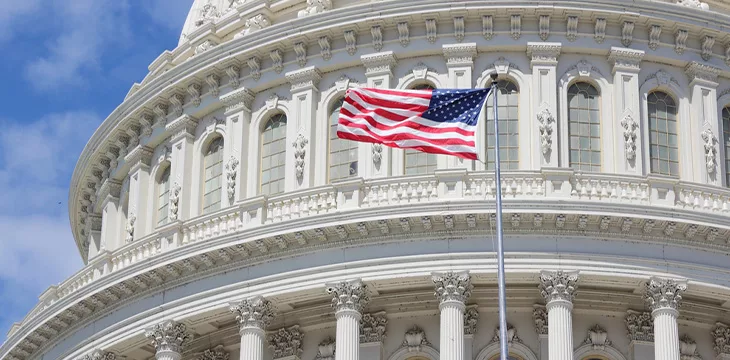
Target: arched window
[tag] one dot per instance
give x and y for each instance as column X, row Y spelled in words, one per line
column 507, row 112
column 163, row 196
column 342, row 153
column 584, row 127
column 213, row 165
column 417, row 162
column 726, row 141
column 663, row 144
column 273, row 155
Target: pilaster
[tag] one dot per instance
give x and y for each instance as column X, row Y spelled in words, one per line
column 704, row 125
column 626, row 65
column 348, row 299
column 182, row 132
column 301, row 128
column 139, row 183
column 253, row 316
column 544, row 61
column 168, row 339
column 664, row 297
column 376, row 160
column 558, row 289
column 110, row 220
column 452, row 291
column 460, row 64
column 238, row 105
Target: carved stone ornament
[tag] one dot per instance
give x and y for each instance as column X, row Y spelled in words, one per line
column 471, row 318
column 255, row 312
column 315, row 7
column 168, row 336
column 373, row 327
column 254, row 24
column 326, row 349
column 688, row 349
column 709, row 142
column 216, row 353
column 348, row 295
column 205, row 46
column 377, row 150
column 452, row 286
column 286, row 342
column 545, row 120
column 174, row 201
column 415, row 338
column 130, row 228
column 664, row 293
column 721, row 338
column 597, row 338
column 694, row 4
column 99, row 355
column 640, row 326
column 558, row 285
column 511, row 334
column 539, row 314
column 299, row 153
column 231, row 172
column 630, row 133
column 208, row 14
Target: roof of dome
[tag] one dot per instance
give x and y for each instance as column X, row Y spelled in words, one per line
column 204, row 11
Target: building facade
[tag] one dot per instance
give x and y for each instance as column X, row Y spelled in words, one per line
column 220, row 217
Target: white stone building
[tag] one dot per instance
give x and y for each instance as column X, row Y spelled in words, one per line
column 220, row 217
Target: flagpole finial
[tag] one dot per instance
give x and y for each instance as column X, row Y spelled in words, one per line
column 494, row 76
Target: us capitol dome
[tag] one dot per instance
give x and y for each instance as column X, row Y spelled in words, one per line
column 220, row 218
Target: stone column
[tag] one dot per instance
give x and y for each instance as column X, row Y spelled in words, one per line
column 301, row 129
column 543, row 61
column 664, row 296
column 182, row 132
column 460, row 64
column 168, row 338
column 139, row 183
column 703, row 163
column 452, row 291
column 348, row 299
column 558, row 289
column 372, row 334
column 253, row 316
column 376, row 160
column 628, row 114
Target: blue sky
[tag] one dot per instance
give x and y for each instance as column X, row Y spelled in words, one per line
column 65, row 65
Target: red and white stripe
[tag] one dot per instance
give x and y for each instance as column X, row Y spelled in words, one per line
column 393, row 118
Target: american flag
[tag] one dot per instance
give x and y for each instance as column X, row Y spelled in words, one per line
column 439, row 121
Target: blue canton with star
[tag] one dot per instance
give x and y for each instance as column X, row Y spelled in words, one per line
column 456, row 105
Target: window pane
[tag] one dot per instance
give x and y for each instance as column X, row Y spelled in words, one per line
column 342, row 152
column 213, row 169
column 584, row 127
column 163, row 196
column 726, row 142
column 663, row 144
column 508, row 110
column 273, row 155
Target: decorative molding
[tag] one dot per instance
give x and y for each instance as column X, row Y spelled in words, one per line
column 511, row 335
column 688, row 349
column 680, row 41
column 216, row 353
column 231, row 173
column 662, row 77
column 181, row 127
column 545, row 122
column 350, row 42
column 471, row 319
column 234, row 77
column 277, row 58
column 540, row 316
column 627, row 33
column 625, row 59
column 378, row 63
column 376, row 32
column 204, row 46
column 237, row 100
column 214, row 83
column 571, row 28
column 349, row 295
column 487, row 27
column 377, row 152
column 98, row 355
column 640, row 326
column 414, row 339
column 515, row 26
column 403, row 33
column 599, row 31
column 300, row 50
column 700, row 72
column 373, row 327
column 584, row 68
column 709, row 142
column 544, row 27
column 326, row 349
column 174, row 201
column 129, row 229
column 168, row 336
column 254, row 24
column 459, row 28
column 315, row 7
column 300, row 151
column 304, row 79
column 543, row 53
column 558, row 285
column 452, row 286
column 254, row 66
column 721, row 339
column 597, row 338
column 431, row 30
column 655, row 33
column 459, row 54
column 325, row 48
column 694, row 4
column 631, row 128
column 286, row 342
column 664, row 293
column 255, row 312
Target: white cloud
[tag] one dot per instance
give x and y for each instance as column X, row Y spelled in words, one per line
column 12, row 13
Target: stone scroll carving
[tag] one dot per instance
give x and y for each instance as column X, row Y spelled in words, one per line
column 231, row 166
column 174, row 201
column 709, row 142
column 377, row 150
column 545, row 120
column 630, row 133
column 299, row 152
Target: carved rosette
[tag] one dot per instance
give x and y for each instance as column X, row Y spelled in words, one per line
column 630, row 133
column 415, row 338
column 348, row 295
column 216, row 353
column 174, row 201
column 545, row 121
column 558, row 285
column 299, row 153
column 640, row 326
column 231, row 166
column 664, row 293
column 326, row 349
column 709, row 142
column 721, row 337
column 539, row 314
column 255, row 312
column 452, row 286
column 597, row 338
column 372, row 327
column 471, row 318
column 168, row 336
column 286, row 342
column 99, row 355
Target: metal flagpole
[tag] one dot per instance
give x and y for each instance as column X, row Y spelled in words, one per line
column 500, row 240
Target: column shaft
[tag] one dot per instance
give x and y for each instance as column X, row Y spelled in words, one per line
column 666, row 335
column 560, row 330
column 252, row 343
column 347, row 341
column 452, row 330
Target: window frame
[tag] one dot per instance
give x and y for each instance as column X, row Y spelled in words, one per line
column 677, row 129
column 333, row 105
column 270, row 119
column 210, row 143
column 598, row 139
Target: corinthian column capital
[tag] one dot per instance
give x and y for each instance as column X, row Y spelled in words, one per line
column 255, row 312
column 664, row 293
column 452, row 286
column 168, row 337
column 558, row 285
column 348, row 295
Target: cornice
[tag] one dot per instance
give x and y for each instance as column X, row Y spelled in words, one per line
column 702, row 73
column 304, row 79
column 460, row 54
column 379, row 63
column 624, row 59
column 183, row 126
column 543, row 53
column 239, row 99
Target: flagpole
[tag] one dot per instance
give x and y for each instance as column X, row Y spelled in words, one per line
column 500, row 240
